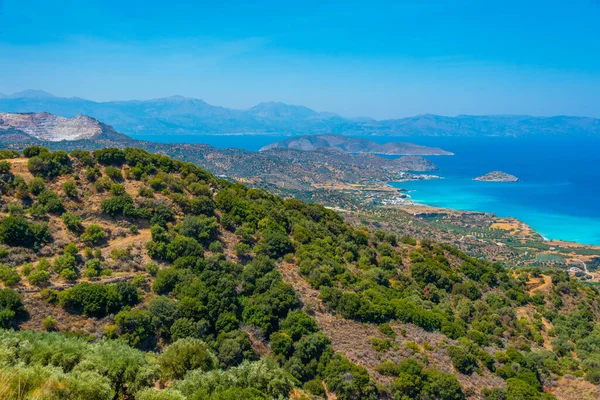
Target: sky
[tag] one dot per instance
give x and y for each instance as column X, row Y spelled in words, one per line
column 382, row 59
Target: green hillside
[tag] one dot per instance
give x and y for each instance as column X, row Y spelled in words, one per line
column 130, row 275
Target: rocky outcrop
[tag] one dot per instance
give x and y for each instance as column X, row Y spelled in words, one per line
column 54, row 128
column 497, row 176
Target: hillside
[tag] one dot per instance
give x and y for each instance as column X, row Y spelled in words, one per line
column 184, row 115
column 354, row 145
column 278, row 169
column 133, row 275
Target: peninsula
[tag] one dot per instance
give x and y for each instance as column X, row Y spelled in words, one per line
column 355, row 145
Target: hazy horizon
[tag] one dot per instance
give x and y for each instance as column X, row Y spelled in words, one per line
column 294, row 105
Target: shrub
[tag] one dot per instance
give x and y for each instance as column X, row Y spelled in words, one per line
column 72, row 221
column 114, row 173
column 51, row 202
column 70, row 188
column 95, row 300
column 119, row 205
column 203, row 229
column 39, row 277
column 34, row 150
column 17, row 231
column 11, row 307
column 109, row 156
column 185, row 355
column 462, row 360
column 49, row 165
column 93, row 234
column 49, row 324
column 9, row 276
column 4, row 167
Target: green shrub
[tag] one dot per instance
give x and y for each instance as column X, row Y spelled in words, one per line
column 51, row 202
column 72, row 221
column 93, row 234
column 17, row 231
column 11, row 307
column 185, row 355
column 49, row 324
column 462, row 360
column 39, row 277
column 70, row 188
column 4, row 167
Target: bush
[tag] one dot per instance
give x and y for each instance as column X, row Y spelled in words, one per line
column 37, row 186
column 185, row 355
column 201, row 228
column 49, row 165
column 72, row 221
column 39, row 277
column 51, row 202
column 109, row 156
column 70, row 188
column 97, row 300
column 49, row 324
column 9, row 276
column 114, row 173
column 11, row 307
column 119, row 205
column 93, row 234
column 17, row 231
column 4, row 167
column 462, row 360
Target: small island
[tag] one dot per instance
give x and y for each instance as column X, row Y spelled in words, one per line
column 497, row 176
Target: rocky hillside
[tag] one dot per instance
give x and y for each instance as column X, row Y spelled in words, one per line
column 48, row 127
column 354, row 145
column 129, row 275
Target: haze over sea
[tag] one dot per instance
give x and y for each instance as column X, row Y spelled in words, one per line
column 558, row 196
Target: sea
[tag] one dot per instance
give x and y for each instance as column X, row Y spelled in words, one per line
column 558, row 194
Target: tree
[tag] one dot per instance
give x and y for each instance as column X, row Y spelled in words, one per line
column 135, row 327
column 17, row 231
column 128, row 370
column 186, row 355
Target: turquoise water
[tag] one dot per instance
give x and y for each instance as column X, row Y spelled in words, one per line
column 558, row 196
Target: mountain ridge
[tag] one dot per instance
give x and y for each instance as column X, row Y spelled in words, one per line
column 186, row 115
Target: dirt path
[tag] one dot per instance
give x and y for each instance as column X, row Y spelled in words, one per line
column 544, row 287
column 19, row 167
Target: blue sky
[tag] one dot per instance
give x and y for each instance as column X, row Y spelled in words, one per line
column 378, row 58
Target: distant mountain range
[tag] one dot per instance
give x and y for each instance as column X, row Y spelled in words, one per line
column 183, row 115
column 355, row 145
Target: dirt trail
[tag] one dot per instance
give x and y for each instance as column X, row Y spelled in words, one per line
column 19, row 167
column 544, row 287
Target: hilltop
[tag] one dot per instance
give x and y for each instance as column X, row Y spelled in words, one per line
column 185, row 115
column 354, row 145
column 216, row 290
